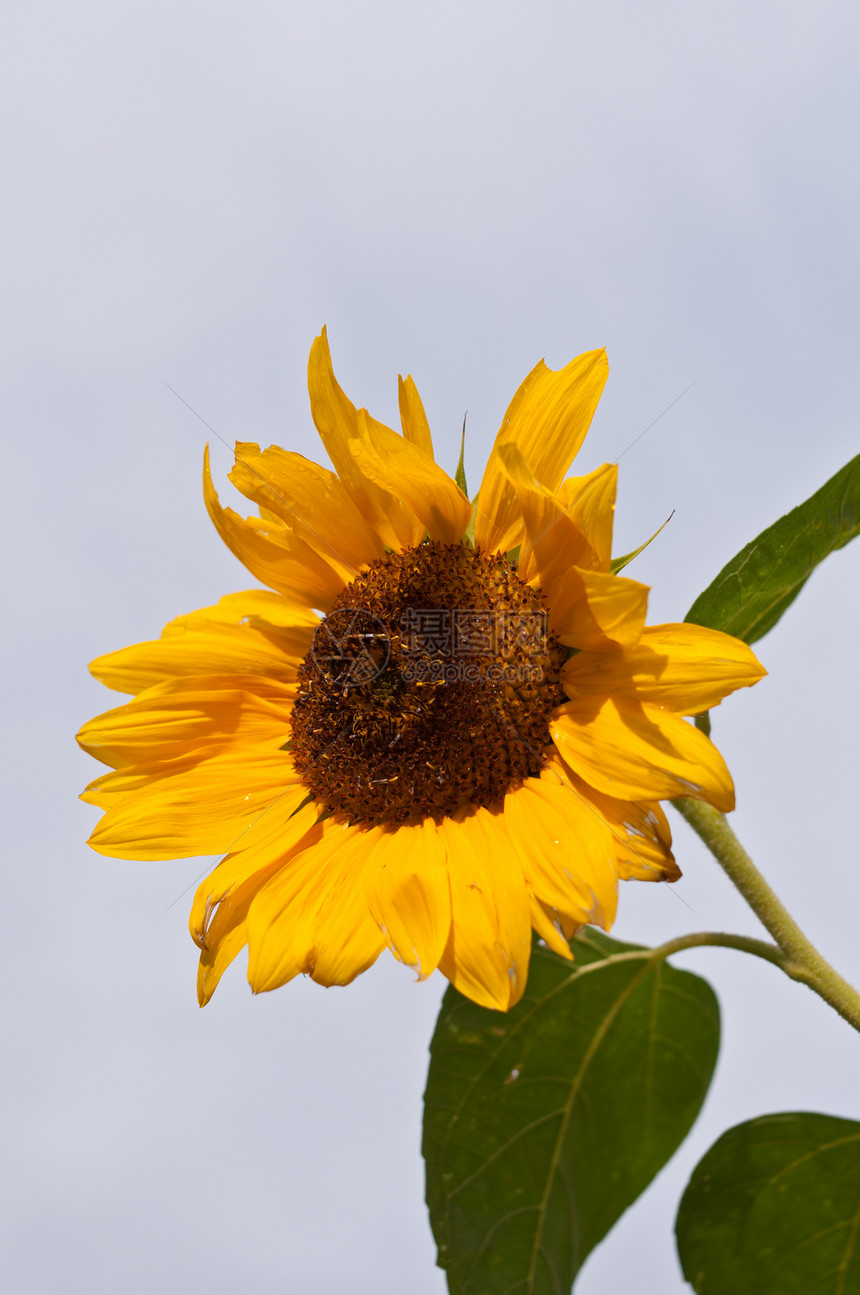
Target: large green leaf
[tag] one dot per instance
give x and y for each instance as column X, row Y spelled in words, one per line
column 541, row 1126
column 774, row 1209
column 751, row 593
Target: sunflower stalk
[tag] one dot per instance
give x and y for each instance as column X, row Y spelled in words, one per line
column 801, row 960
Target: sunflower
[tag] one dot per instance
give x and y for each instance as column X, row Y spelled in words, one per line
column 440, row 726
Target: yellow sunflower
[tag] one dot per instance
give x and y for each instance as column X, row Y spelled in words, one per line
column 442, row 724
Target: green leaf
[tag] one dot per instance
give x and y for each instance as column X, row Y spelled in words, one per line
column 774, row 1209
column 751, row 593
column 542, row 1125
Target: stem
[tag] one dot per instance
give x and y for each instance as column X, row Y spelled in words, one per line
column 801, row 960
column 721, row 940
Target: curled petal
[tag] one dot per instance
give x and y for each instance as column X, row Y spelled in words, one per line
column 549, row 925
column 310, row 501
column 278, row 557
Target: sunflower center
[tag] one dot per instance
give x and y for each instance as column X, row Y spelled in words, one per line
column 428, row 687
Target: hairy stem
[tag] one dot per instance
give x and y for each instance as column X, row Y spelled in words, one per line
column 800, row 958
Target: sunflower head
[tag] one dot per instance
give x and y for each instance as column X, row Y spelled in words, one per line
column 439, row 725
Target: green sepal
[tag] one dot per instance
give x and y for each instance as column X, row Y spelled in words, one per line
column 469, row 537
column 618, row 564
column 460, row 474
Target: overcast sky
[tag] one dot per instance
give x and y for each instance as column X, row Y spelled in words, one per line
column 190, row 190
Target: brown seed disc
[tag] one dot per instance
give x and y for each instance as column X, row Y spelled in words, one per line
column 428, row 687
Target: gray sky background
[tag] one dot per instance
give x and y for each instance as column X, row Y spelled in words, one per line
column 189, row 192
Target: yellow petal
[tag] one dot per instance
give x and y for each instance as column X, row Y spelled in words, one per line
column 547, row 420
column 336, row 419
column 259, row 607
column 275, row 556
column 487, row 955
column 179, row 716
column 207, row 643
column 271, row 839
column 202, row 809
column 633, row 751
column 685, row 668
column 413, row 419
column 547, row 922
column 310, row 501
column 641, row 836
column 217, row 920
column 589, row 608
column 228, row 936
column 409, row 895
column 595, row 611
column 111, row 789
column 312, row 916
column 551, row 541
column 401, row 469
column 566, row 847
column 590, row 502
